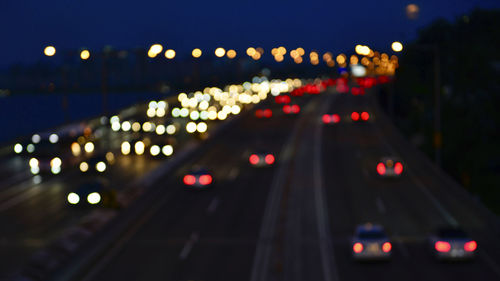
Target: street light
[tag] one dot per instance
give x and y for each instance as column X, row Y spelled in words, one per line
column 397, row 46
column 49, row 51
column 196, row 53
column 85, row 54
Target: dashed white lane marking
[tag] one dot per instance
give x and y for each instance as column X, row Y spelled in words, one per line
column 233, row 173
column 380, row 205
column 330, row 271
column 213, row 205
column 189, row 246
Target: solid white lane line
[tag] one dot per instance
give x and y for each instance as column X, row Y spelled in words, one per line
column 261, row 262
column 441, row 209
column 330, row 271
column 213, row 205
column 233, row 173
column 189, row 246
column 380, row 205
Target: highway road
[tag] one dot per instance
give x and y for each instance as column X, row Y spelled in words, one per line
column 294, row 221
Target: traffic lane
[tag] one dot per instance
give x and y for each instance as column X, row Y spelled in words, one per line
column 406, row 212
column 237, row 214
column 45, row 213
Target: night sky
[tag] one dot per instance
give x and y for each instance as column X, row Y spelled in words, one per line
column 26, row 26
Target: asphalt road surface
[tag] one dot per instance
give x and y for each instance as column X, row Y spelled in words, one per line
column 294, row 220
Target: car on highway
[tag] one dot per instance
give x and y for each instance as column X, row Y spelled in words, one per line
column 291, row 109
column 371, row 243
column 389, row 167
column 95, row 192
column 97, row 163
column 360, row 117
column 198, row 178
column 330, row 118
column 261, row 159
column 452, row 244
column 264, row 113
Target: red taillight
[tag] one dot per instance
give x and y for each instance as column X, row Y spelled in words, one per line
column 470, row 246
column 357, row 247
column 398, row 168
column 355, row 116
column 205, row 179
column 287, row 109
column 258, row 113
column 442, row 246
column 380, row 168
column 267, row 113
column 335, row 118
column 386, row 247
column 189, row 179
column 295, row 108
column 326, row 118
column 254, row 159
column 269, row 159
column 365, row 116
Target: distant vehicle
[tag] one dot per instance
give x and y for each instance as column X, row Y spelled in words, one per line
column 263, row 113
column 389, row 167
column 97, row 163
column 330, row 118
column 370, row 242
column 452, row 244
column 46, row 158
column 291, row 109
column 360, row 116
column 261, row 159
column 93, row 193
column 198, row 178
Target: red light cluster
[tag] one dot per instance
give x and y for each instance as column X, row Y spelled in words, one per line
column 383, row 79
column 291, row 109
column 203, row 179
column 263, row 113
column 334, row 118
column 398, row 168
column 366, row 82
column 357, row 91
column 254, row 159
column 363, row 116
column 282, row 99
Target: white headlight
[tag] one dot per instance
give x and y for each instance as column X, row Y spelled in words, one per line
column 100, row 166
column 53, row 138
column 18, row 148
column 167, row 150
column 55, row 162
column 84, row 167
column 73, row 198
column 94, row 198
column 55, row 169
column 154, row 150
column 34, row 162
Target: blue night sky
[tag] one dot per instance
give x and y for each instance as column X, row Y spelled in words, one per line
column 26, row 26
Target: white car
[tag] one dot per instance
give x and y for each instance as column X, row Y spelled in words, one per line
column 390, row 167
column 452, row 244
column 370, row 242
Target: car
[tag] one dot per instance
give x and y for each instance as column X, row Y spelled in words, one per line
column 291, row 109
column 330, row 118
column 389, row 167
column 261, row 159
column 97, row 163
column 198, row 178
column 263, row 113
column 452, row 244
column 370, row 242
column 95, row 192
column 360, row 117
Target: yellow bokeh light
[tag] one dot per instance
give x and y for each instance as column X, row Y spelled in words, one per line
column 85, row 54
column 231, row 54
column 170, row 54
column 397, row 46
column 256, row 56
column 196, row 53
column 301, row 51
column 156, row 48
column 49, row 51
column 279, row 58
column 341, row 59
column 220, row 52
column 251, row 51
